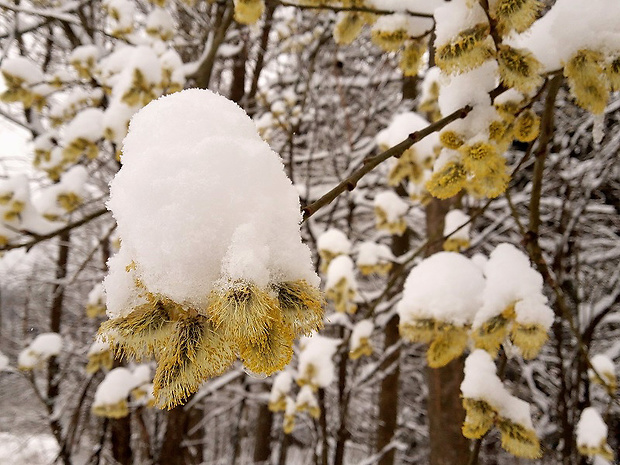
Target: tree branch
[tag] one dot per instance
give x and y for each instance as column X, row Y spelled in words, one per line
column 371, row 163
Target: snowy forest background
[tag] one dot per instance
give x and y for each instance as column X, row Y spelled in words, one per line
column 322, row 80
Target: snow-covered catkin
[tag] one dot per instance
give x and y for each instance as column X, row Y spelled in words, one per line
column 203, row 278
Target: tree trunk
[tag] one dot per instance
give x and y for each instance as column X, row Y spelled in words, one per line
column 53, row 368
column 180, row 421
column 262, row 441
column 445, row 410
column 388, row 395
column 121, row 440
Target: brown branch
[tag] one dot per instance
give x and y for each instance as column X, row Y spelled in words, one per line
column 202, row 75
column 36, row 238
column 371, row 163
column 360, row 9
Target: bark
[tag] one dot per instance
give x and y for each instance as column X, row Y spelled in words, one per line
column 237, row 88
column 121, row 440
column 180, row 421
column 388, row 395
column 448, row 446
column 53, row 368
column 262, row 441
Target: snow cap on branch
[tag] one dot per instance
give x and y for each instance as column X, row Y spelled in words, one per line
column 211, row 258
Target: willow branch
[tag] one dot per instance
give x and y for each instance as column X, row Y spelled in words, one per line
column 371, row 163
column 36, row 238
column 360, row 9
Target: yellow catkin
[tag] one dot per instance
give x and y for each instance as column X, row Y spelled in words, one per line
column 140, row 93
column 397, row 227
column 118, row 410
column 342, row 295
column 411, row 58
column 468, row 50
column 455, row 244
column 244, row 312
column 195, row 352
column 587, row 80
column 448, row 181
column 248, row 11
column 289, row 424
column 479, row 419
column 529, row 338
column 491, row 334
column 406, row 168
column 419, row 330
column 278, row 405
column 478, row 157
column 389, row 41
column 493, row 181
column 519, row 440
column 381, row 269
column 364, row 348
column 603, row 451
column 515, row 15
column 451, row 139
column 526, row 126
column 348, row 27
column 100, row 360
column 612, row 70
column 519, row 69
column 449, row 343
column 272, row 355
column 301, row 306
column 140, row 332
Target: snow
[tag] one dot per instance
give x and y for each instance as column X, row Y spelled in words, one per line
column 46, row 345
column 399, row 129
column 372, row 254
column 160, row 22
column 22, row 68
column 469, row 88
column 175, row 223
column 456, row 16
column 43, row 346
column 120, row 285
column 570, row 26
column 142, row 375
column 98, row 347
column 84, row 53
column 335, row 241
column 86, row 125
column 115, row 387
column 341, row 268
column 72, row 181
column 362, row 330
column 281, row 386
column 392, row 205
column 315, row 360
column 305, row 399
column 116, row 119
column 414, row 6
column 510, row 279
column 4, row 362
column 591, row 429
column 482, row 383
column 32, row 449
column 412, row 26
column 454, row 220
column 446, row 287
column 604, row 367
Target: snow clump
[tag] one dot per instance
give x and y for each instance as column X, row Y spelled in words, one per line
column 211, row 264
